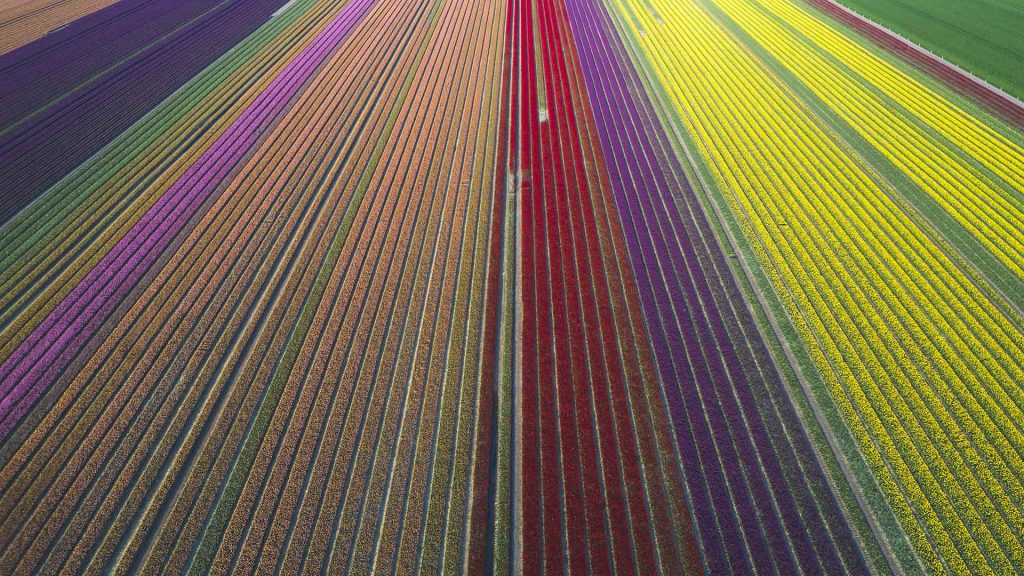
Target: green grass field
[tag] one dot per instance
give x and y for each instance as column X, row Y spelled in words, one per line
column 984, row 37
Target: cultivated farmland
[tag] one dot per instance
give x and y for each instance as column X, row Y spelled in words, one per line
column 23, row 21
column 983, row 37
column 505, row 286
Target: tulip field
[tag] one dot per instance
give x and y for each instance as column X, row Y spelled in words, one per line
column 509, row 287
column 982, row 37
column 22, row 21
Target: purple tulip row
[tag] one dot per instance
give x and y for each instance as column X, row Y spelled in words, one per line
column 40, row 359
column 67, row 95
column 55, row 64
column 758, row 495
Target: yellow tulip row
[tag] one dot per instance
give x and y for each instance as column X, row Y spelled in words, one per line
column 991, row 210
column 985, row 421
column 997, row 151
column 915, row 355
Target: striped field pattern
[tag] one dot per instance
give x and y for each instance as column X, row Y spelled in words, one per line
column 22, row 21
column 502, row 287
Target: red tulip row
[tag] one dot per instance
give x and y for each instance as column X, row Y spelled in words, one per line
column 595, row 482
